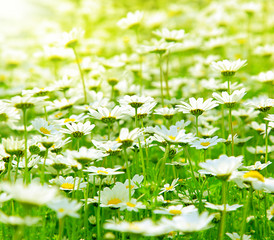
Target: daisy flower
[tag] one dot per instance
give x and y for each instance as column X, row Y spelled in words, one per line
column 261, row 104
column 169, row 188
column 71, row 119
column 18, row 221
column 228, row 208
column 170, row 36
column 32, row 194
column 132, row 205
column 69, row 183
column 228, row 68
column 78, row 130
column 64, row 207
column 115, row 197
column 135, row 101
column 205, row 143
column 196, row 107
column 230, row 99
column 25, row 102
column 236, row 236
column 132, row 19
column 176, row 210
column 222, row 167
column 102, row 171
column 158, row 47
column 166, row 112
column 127, row 137
column 105, row 115
column 257, row 166
column 270, row 212
column 44, row 127
column 13, row 146
column 110, row 147
column 71, row 39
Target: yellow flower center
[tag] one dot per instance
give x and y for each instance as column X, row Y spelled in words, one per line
column 61, row 210
column 175, row 212
column 131, row 204
column 133, row 226
column 254, row 174
column 272, row 213
column 44, row 130
column 169, row 188
column 67, row 185
column 205, row 144
column 172, row 138
column 69, row 120
column 114, row 201
column 58, row 115
column 100, row 171
column 261, row 151
column 118, row 139
column 131, row 186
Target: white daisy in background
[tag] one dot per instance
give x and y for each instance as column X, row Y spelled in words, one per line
column 265, row 77
column 142, row 111
column 205, row 143
column 32, row 194
column 86, row 156
column 78, row 130
column 8, row 115
column 158, row 47
column 62, row 104
column 115, row 197
column 191, row 222
column 71, row 119
column 69, row 183
column 169, row 188
column 262, row 104
column 13, row 146
column 171, row 35
column 196, row 106
column 207, row 132
column 71, row 39
column 222, row 167
column 228, row 208
column 110, row 147
column 127, row 137
column 18, row 221
column 236, row 236
column 64, row 207
column 133, row 19
column 135, row 101
column 132, row 205
column 176, row 210
column 44, row 127
column 166, row 112
column 230, row 99
column 37, row 92
column 228, row 68
column 173, row 135
column 135, row 182
column 26, row 102
column 107, row 116
column 102, row 171
column 257, row 166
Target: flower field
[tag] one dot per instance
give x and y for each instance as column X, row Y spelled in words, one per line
column 137, row 120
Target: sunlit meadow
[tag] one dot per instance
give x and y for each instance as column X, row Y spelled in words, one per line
column 136, row 119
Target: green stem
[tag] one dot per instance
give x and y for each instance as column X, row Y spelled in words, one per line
column 98, row 211
column 197, row 130
column 128, row 173
column 231, row 130
column 81, row 74
column 161, row 79
column 246, row 208
column 43, row 167
column 266, row 142
column 166, row 76
column 136, row 117
column 26, row 173
column 61, row 228
column 223, row 128
column 222, row 223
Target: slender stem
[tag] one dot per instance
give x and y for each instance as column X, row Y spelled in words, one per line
column 246, row 208
column 98, row 211
column 109, row 131
column 43, row 167
column 161, row 79
column 128, row 173
column 223, row 127
column 61, row 228
column 266, row 142
column 81, row 74
column 222, row 223
column 26, row 174
column 197, row 130
column 136, row 117
column 142, row 160
column 166, row 76
column 231, row 130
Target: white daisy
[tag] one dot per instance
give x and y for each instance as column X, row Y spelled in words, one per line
column 228, row 68
column 205, row 143
column 77, row 130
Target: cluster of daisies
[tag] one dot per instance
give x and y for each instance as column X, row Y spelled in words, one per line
column 169, row 135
